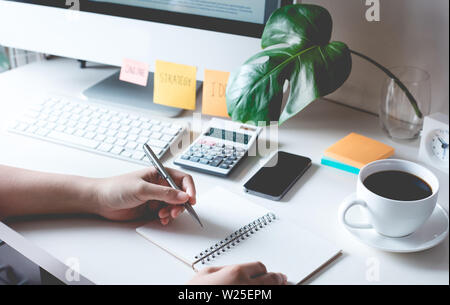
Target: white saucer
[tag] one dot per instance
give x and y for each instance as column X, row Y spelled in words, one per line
column 432, row 233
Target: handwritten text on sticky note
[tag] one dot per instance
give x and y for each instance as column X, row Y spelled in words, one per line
column 214, row 89
column 175, row 85
column 134, row 72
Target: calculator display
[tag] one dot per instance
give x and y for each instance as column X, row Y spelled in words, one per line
column 229, row 135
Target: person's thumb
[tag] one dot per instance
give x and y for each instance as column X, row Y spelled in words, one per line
column 166, row 194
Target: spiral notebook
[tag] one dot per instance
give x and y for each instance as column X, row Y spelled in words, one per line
column 238, row 231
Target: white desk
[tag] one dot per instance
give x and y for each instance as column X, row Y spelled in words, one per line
column 112, row 253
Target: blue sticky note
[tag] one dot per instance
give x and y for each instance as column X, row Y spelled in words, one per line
column 339, row 165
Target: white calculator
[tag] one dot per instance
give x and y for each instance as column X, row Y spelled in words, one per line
column 220, row 147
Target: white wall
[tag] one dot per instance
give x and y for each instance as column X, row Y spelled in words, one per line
column 410, row 33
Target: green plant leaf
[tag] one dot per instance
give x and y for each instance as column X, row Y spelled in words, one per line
column 300, row 52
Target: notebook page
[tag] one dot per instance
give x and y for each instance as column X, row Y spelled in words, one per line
column 221, row 213
column 282, row 247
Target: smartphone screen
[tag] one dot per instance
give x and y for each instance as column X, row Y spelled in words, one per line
column 275, row 179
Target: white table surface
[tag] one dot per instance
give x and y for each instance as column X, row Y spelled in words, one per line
column 112, row 253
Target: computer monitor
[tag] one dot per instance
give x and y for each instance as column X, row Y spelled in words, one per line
column 211, row 34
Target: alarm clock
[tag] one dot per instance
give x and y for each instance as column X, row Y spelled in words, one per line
column 434, row 145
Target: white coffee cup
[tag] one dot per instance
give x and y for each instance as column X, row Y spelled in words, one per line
column 392, row 218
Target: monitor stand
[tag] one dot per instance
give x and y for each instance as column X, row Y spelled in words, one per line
column 113, row 90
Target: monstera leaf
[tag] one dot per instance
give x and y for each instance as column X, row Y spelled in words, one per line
column 297, row 48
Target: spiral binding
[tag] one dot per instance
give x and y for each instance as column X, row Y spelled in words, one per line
column 233, row 239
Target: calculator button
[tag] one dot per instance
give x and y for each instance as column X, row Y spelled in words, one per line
column 194, row 159
column 185, row 157
column 225, row 166
column 204, row 161
column 198, row 155
column 215, row 163
column 228, row 162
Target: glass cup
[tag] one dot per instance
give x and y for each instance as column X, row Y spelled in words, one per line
column 397, row 116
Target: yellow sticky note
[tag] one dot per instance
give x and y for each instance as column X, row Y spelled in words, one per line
column 357, row 150
column 214, row 88
column 175, row 85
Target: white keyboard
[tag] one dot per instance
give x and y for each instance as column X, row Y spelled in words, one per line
column 97, row 128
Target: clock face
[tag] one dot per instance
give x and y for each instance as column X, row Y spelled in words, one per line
column 440, row 145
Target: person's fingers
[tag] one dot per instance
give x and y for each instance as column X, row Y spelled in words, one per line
column 176, row 211
column 153, row 205
column 254, row 269
column 164, row 213
column 209, row 270
column 165, row 221
column 149, row 191
column 186, row 183
column 270, row 278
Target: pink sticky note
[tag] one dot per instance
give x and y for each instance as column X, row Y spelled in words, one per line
column 134, row 72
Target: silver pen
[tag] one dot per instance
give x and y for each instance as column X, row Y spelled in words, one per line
column 162, row 171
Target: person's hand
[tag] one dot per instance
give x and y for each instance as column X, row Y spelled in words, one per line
column 143, row 193
column 245, row 274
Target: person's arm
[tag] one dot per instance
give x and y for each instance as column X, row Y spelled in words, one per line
column 126, row 197
column 24, row 192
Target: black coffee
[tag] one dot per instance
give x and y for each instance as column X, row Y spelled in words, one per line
column 397, row 185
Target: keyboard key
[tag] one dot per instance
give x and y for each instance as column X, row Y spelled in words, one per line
column 156, row 150
column 42, row 132
column 116, row 150
column 136, row 124
column 32, row 129
column 73, row 139
column 121, row 142
column 131, row 145
column 132, row 137
column 171, row 131
column 69, row 130
column 158, row 143
column 122, row 135
column 90, row 135
column 110, row 140
column 60, row 128
column 156, row 136
column 135, row 130
column 79, row 133
column 125, row 128
column 111, row 133
column 100, row 138
column 204, row 161
column 157, row 128
column 146, row 133
column 142, row 140
column 126, row 154
column 225, row 166
column 105, row 124
column 138, row 155
column 91, row 128
column 166, row 138
column 105, row 147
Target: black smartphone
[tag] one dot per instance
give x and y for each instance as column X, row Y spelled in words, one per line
column 278, row 175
